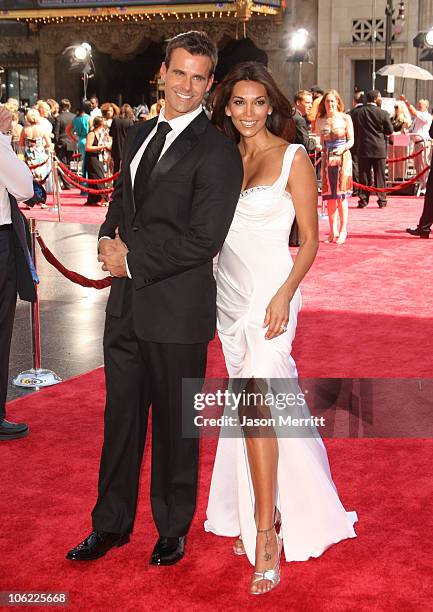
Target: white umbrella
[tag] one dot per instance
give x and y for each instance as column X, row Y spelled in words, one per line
column 406, row 71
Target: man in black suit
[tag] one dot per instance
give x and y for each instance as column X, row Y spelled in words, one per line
column 371, row 126
column 118, row 130
column 16, row 183
column 171, row 210
column 426, row 220
column 64, row 145
column 357, row 103
column 303, row 103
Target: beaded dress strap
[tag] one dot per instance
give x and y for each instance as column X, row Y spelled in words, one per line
column 281, row 183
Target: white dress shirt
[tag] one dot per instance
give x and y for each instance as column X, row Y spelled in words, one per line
column 422, row 123
column 178, row 125
column 15, row 178
column 95, row 112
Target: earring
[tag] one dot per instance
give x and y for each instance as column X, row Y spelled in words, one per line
column 270, row 112
column 228, row 114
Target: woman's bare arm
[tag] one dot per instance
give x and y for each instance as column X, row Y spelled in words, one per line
column 350, row 137
column 89, row 143
column 302, row 185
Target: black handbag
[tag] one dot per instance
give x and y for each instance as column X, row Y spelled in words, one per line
column 39, row 195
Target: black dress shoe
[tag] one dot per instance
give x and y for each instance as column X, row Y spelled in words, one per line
column 418, row 232
column 96, row 545
column 381, row 204
column 168, row 551
column 362, row 204
column 12, row 431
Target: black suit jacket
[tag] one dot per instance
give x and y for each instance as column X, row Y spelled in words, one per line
column 25, row 284
column 178, row 229
column 61, row 137
column 354, row 149
column 371, row 125
column 302, row 134
column 118, row 130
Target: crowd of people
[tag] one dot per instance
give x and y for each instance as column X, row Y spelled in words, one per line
column 354, row 146
column 96, row 133
column 346, row 147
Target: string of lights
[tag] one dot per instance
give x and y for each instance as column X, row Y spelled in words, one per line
column 242, row 10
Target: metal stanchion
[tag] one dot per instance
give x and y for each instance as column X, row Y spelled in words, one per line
column 36, row 376
column 323, row 214
column 56, row 186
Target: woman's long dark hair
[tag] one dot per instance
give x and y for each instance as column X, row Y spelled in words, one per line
column 280, row 122
column 126, row 112
column 84, row 108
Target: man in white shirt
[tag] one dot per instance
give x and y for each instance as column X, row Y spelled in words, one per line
column 170, row 213
column 16, row 184
column 421, row 127
column 94, row 105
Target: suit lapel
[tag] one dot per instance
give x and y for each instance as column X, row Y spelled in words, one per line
column 180, row 148
column 140, row 137
column 177, row 151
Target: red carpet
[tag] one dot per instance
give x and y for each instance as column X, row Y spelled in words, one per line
column 72, row 210
column 367, row 312
column 49, row 488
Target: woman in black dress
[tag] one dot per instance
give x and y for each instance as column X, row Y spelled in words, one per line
column 94, row 161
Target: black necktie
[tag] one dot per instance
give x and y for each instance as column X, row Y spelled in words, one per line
column 148, row 161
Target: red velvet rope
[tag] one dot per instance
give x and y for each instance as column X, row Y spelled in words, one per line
column 396, row 187
column 392, row 160
column 81, row 188
column 82, row 179
column 79, row 279
column 76, row 156
column 34, row 166
column 412, row 155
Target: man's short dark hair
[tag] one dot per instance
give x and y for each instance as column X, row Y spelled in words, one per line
column 372, row 95
column 316, row 89
column 300, row 95
column 358, row 97
column 196, row 43
column 65, row 105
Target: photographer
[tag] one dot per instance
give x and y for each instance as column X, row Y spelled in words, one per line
column 16, row 184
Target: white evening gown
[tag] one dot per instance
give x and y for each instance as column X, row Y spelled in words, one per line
column 253, row 263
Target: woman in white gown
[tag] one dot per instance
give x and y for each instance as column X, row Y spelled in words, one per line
column 271, row 491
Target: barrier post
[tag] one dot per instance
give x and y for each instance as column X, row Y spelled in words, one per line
column 56, row 186
column 323, row 214
column 36, row 376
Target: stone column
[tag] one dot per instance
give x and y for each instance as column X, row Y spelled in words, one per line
column 424, row 89
column 47, row 75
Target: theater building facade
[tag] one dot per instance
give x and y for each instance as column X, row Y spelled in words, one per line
column 127, row 43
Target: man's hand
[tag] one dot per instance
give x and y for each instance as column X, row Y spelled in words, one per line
column 105, row 246
column 112, row 255
column 5, row 120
